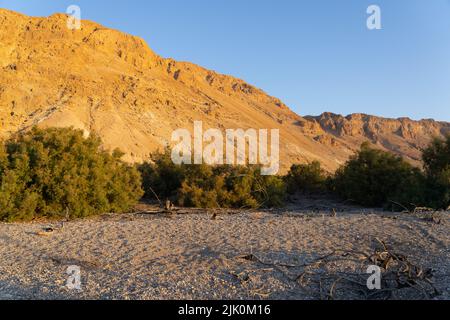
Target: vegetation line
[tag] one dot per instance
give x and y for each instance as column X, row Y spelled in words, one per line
column 57, row 173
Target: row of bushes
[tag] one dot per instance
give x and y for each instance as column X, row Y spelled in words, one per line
column 371, row 178
column 57, row 172
column 376, row 178
column 210, row 186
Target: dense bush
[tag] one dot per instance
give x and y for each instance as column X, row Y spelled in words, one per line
column 160, row 176
column 54, row 172
column 436, row 160
column 210, row 186
column 307, row 178
column 376, row 178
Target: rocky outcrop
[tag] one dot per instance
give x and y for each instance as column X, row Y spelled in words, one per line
column 403, row 136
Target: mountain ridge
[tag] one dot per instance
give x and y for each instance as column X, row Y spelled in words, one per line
column 102, row 80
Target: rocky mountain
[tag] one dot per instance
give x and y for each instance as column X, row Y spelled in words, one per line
column 104, row 81
column 402, row 136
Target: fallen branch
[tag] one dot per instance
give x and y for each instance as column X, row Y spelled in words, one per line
column 398, row 273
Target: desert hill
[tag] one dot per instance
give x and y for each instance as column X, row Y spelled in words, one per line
column 104, row 81
column 402, row 136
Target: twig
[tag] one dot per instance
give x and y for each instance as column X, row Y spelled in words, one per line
column 331, row 295
column 401, row 205
column 156, row 196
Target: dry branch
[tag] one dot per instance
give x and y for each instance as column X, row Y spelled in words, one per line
column 399, row 274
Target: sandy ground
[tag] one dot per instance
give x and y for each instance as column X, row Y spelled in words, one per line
column 246, row 255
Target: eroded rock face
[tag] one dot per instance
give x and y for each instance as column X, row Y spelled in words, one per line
column 403, row 136
column 104, row 81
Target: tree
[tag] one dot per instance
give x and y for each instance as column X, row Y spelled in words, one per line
column 48, row 172
column 309, row 178
column 436, row 158
column 377, row 178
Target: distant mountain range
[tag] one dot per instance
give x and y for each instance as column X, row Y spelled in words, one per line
column 104, row 81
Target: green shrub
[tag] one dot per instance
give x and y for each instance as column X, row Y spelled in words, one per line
column 202, row 187
column 436, row 160
column 210, row 186
column 161, row 176
column 230, row 187
column 307, row 178
column 52, row 172
column 377, row 178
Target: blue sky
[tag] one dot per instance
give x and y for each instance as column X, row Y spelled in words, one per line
column 315, row 55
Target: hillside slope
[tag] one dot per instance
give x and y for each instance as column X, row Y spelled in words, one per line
column 104, row 81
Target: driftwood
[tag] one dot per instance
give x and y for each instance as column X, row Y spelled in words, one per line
column 400, row 272
column 414, row 208
column 423, row 209
column 431, row 215
column 45, row 233
column 400, row 276
column 49, row 231
column 168, row 207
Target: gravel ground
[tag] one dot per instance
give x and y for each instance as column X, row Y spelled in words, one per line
column 247, row 255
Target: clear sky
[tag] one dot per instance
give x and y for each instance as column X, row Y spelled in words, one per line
column 315, row 55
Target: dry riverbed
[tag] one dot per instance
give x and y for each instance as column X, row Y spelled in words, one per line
column 235, row 255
